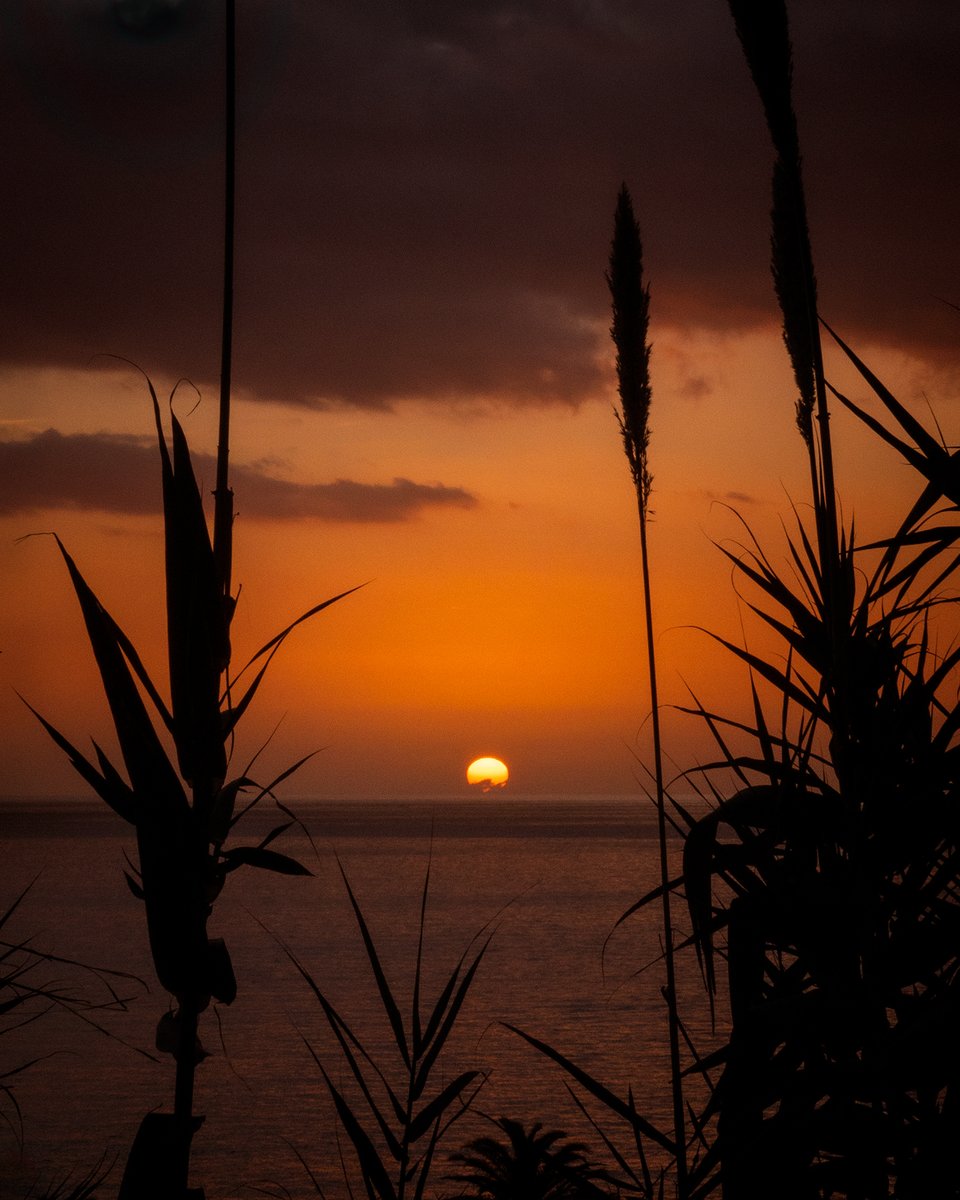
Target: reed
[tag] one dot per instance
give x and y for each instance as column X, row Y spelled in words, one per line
column 826, row 880
column 630, row 303
column 184, row 806
column 832, row 872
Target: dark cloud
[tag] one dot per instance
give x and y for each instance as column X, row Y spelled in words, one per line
column 107, row 472
column 344, row 499
column 426, row 189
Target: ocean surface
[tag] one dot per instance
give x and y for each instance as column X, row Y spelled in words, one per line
column 550, row 877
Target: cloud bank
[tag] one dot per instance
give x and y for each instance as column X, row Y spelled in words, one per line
column 107, row 473
column 425, row 190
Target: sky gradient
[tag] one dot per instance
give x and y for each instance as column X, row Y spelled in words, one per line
column 423, row 373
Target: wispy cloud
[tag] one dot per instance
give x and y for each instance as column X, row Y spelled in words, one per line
column 118, row 473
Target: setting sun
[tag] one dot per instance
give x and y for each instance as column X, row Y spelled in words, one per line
column 488, row 772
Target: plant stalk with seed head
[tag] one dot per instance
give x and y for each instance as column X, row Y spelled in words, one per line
column 630, row 304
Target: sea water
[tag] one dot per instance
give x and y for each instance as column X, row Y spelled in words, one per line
column 549, row 878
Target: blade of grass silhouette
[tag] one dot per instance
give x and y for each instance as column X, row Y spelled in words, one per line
column 279, row 638
column 197, row 640
column 435, row 1044
column 645, row 1185
column 375, row 1174
column 417, row 1030
column 234, row 712
column 390, row 1005
column 930, row 458
column 267, row 860
column 111, row 789
column 268, row 790
column 596, row 1089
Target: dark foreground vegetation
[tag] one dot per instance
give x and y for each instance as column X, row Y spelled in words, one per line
column 821, row 890
column 825, row 882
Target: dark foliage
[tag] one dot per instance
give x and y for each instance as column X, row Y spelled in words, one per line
column 400, row 1119
column 827, row 880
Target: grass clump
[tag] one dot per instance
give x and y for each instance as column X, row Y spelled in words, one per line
column 30, row 992
column 825, row 881
column 835, row 881
column 398, row 1120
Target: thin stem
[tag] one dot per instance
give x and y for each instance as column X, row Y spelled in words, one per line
column 676, row 1079
column 223, row 512
column 630, row 300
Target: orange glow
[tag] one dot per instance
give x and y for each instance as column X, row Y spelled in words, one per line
column 488, row 772
column 517, row 623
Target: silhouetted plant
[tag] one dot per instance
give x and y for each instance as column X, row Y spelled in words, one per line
column 184, row 807
column 28, row 993
column 829, row 882
column 396, row 1152
column 841, row 917
column 72, row 1186
column 629, row 330
column 630, row 302
column 530, row 1163
column 182, row 819
column 837, row 881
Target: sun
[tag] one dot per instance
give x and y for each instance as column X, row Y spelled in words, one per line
column 488, row 773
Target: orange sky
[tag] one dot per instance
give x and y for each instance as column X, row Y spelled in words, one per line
column 511, row 627
column 440, row 323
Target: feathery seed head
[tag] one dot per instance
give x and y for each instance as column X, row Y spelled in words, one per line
column 765, row 37
column 630, row 305
column 764, row 34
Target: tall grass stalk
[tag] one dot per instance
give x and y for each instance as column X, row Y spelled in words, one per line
column 763, row 30
column 630, row 302
column 629, row 329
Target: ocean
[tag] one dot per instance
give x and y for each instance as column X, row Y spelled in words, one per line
column 551, row 877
